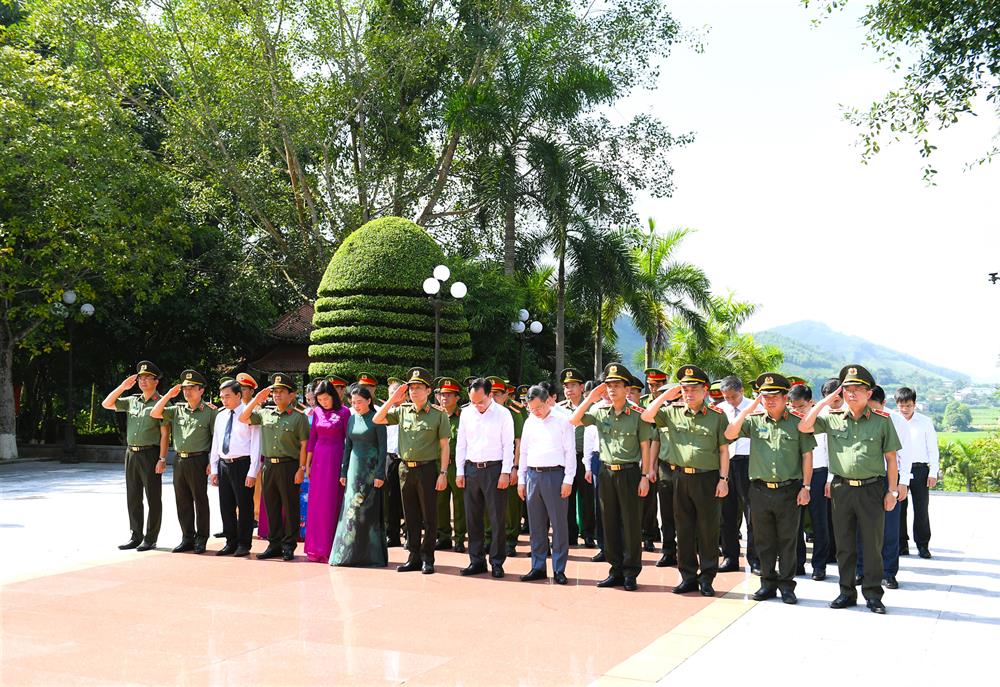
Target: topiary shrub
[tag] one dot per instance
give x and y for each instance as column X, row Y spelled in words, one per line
column 372, row 314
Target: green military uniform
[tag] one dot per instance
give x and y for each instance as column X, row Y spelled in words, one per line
column 650, row 531
column 452, row 498
column 695, row 437
column 581, row 499
column 621, row 435
column 664, row 487
column 281, row 436
column 777, row 448
column 191, row 430
column 857, row 449
column 420, row 432
column 142, row 431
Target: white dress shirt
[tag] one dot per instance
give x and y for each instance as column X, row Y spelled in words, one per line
column 548, row 443
column 923, row 445
column 591, row 443
column 904, row 454
column 485, row 437
column 740, row 447
column 562, row 410
column 244, row 440
column 391, row 437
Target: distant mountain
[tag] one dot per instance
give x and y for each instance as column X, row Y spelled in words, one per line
column 630, row 343
column 814, row 351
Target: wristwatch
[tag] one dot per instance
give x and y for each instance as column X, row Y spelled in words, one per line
column 724, row 478
column 895, row 494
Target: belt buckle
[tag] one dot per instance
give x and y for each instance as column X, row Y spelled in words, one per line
column 411, row 463
column 689, row 471
column 614, row 467
column 275, row 460
column 854, row 482
column 771, row 485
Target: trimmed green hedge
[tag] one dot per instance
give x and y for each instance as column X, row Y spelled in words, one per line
column 380, row 318
column 387, row 334
column 407, row 304
column 413, row 355
column 381, row 370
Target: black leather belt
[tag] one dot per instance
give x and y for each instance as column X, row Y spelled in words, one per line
column 278, row 459
column 191, row 454
column 135, row 449
column 856, row 482
column 615, row 467
column 483, row 466
column 690, row 471
column 417, row 463
column 548, row 468
column 234, row 460
column 777, row 485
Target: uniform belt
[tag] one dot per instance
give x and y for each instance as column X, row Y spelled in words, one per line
column 856, row 482
column 141, row 448
column 776, row 485
column 417, row 463
column 615, row 467
column 485, row 465
column 689, row 471
column 233, row 460
column 191, row 454
column 547, row 468
column 277, row 459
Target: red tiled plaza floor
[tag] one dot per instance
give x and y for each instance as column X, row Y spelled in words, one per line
column 184, row 619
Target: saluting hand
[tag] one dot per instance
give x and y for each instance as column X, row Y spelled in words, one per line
column 129, row 382
column 398, row 395
column 827, row 400
column 597, row 392
column 262, row 395
column 173, row 391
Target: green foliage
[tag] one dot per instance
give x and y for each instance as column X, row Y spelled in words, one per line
column 972, row 466
column 370, row 332
column 385, row 318
column 957, row 417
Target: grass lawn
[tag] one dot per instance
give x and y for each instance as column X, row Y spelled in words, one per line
column 964, row 437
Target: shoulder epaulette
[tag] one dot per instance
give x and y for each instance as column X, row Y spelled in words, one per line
column 211, row 405
column 839, row 411
column 636, row 407
column 564, row 403
column 717, row 409
column 795, row 413
column 883, row 413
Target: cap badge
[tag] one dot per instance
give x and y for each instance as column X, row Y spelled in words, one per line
column 852, row 371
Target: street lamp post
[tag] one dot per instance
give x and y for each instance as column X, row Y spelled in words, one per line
column 65, row 310
column 523, row 330
column 432, row 287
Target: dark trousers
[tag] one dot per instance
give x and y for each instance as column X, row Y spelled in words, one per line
column 858, row 512
column 776, row 520
column 483, row 499
column 739, row 495
column 595, row 475
column 818, row 507
column 890, row 546
column 392, row 506
column 546, row 505
column 140, row 478
column 281, row 501
column 448, row 501
column 621, row 511
column 417, row 487
column 191, row 497
column 581, row 502
column 665, row 494
column 920, row 496
column 696, row 514
column 235, row 495
column 650, row 528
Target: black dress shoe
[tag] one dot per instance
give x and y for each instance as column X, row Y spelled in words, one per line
column 666, row 560
column 459, row 548
column 408, row 566
column 819, row 574
column 890, row 582
column 858, row 579
column 443, row 545
column 630, row 584
column 199, row 548
column 729, row 565
column 789, row 597
column 589, row 542
column 648, row 546
column 241, row 551
column 755, row 569
column 706, row 589
column 763, row 594
column 130, row 544
column 598, row 557
column 844, row 601
column 924, row 553
column 219, row 535
column 269, row 552
column 611, row 581
column 227, row 550
column 393, row 543
column 427, row 569
column 904, row 550
column 511, row 551
column 497, row 571
column 559, row 578
column 473, row 569
column 183, row 546
column 288, row 554
column 535, row 574
column 876, row 606
column 800, row 570
column 686, row 586
column 146, row 546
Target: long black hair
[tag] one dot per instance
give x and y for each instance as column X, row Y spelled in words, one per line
column 325, row 387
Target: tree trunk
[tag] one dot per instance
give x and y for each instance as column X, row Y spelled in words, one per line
column 8, row 434
column 599, row 343
column 561, row 305
column 509, row 239
column 649, row 352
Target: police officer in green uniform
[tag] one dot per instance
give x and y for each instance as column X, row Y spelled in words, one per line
column 453, row 496
column 780, row 473
column 650, row 531
column 862, row 444
column 663, row 487
column 192, row 424
column 146, row 454
column 424, row 453
column 581, row 500
column 284, row 432
column 624, row 441
column 699, row 453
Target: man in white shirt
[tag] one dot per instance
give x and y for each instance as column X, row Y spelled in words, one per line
column 392, row 505
column 234, row 465
column 547, row 469
column 800, row 401
column 924, row 465
column 739, row 479
column 484, row 456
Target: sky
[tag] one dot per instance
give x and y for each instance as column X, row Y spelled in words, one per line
column 788, row 217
